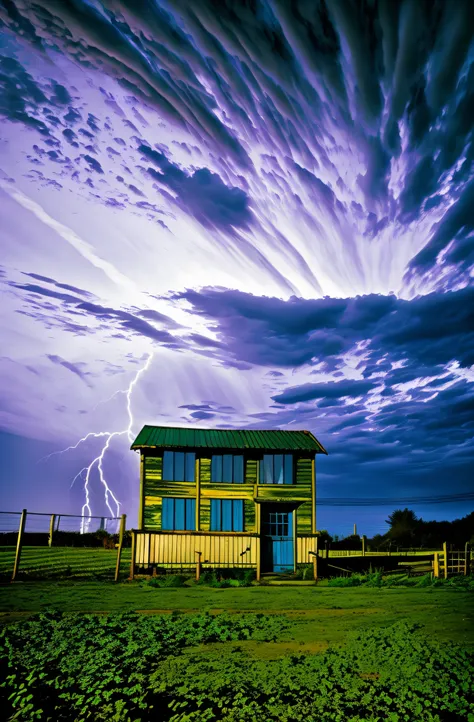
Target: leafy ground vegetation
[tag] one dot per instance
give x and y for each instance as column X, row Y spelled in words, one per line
column 191, row 667
column 378, row 579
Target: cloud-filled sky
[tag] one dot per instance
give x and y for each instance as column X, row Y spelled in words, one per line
column 266, row 209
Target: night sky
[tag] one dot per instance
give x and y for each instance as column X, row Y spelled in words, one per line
column 267, row 208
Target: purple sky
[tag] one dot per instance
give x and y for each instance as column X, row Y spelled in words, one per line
column 266, row 208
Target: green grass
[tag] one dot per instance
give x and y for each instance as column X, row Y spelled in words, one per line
column 319, row 615
column 57, row 562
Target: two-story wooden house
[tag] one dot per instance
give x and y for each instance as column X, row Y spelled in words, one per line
column 226, row 498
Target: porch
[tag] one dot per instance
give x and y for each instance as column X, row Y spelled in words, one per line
column 195, row 550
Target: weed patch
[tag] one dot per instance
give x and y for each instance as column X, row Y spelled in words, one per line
column 132, row 668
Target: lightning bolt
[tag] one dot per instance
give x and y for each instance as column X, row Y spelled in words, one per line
column 110, row 498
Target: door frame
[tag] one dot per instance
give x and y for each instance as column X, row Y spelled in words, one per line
column 290, row 506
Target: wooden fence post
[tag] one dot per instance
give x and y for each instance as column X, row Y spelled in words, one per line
column 466, row 559
column 436, row 565
column 364, row 538
column 19, row 544
column 445, row 553
column 51, row 529
column 315, row 565
column 123, row 522
column 198, row 565
column 132, row 563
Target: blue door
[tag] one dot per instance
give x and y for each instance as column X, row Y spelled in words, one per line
column 277, row 530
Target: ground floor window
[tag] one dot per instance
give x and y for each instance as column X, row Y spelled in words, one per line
column 227, row 515
column 178, row 514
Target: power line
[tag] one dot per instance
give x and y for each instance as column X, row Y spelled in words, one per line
column 367, row 501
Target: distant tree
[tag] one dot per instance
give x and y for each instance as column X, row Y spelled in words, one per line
column 404, row 527
column 323, row 537
column 378, row 541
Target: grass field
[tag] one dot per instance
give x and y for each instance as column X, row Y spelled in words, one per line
column 57, row 562
column 279, row 654
column 319, row 615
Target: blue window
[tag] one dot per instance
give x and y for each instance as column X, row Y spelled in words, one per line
column 178, row 514
column 178, row 466
column 228, row 468
column 227, row 515
column 276, row 469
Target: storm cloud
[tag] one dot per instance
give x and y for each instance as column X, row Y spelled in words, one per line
column 265, row 210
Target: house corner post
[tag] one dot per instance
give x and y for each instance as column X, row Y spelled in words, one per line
column 313, row 495
column 295, row 542
column 142, row 491
column 197, row 476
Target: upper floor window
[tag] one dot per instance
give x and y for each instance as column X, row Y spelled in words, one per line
column 178, row 514
column 228, row 468
column 276, row 469
column 227, row 515
column 178, row 465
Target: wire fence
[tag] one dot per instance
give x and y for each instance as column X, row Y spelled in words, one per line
column 35, row 545
column 40, row 522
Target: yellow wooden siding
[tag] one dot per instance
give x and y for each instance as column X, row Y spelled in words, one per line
column 152, row 513
column 205, row 470
column 305, row 544
column 226, row 491
column 153, row 467
column 251, row 471
column 178, row 549
column 171, row 488
column 205, row 513
column 249, row 515
column 284, row 492
column 303, row 471
column 303, row 518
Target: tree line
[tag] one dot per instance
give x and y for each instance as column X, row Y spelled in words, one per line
column 407, row 530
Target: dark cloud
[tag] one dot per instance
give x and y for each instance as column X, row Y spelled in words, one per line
column 457, row 226
column 66, row 286
column 133, row 322
column 20, row 95
column 202, row 194
column 94, row 164
column 429, row 330
column 308, row 392
column 75, row 368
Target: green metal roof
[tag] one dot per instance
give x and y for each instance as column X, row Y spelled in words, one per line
column 274, row 440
